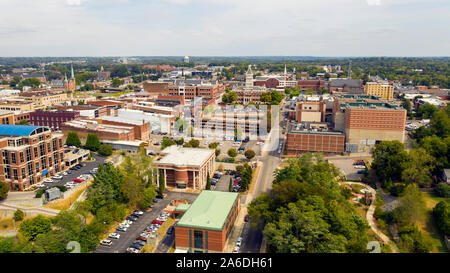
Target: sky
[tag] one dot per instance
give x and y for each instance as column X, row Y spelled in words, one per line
column 224, row 28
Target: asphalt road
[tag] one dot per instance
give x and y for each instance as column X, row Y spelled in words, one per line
column 126, row 238
column 74, row 174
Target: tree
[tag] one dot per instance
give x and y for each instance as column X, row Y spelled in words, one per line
column 230, row 185
column 116, row 82
column 441, row 213
column 418, row 168
column 31, row 228
column 166, row 142
column 92, row 142
column 229, row 97
column 208, row 182
column 442, row 190
column 73, row 139
column 411, row 207
column 148, row 195
column 213, row 145
column 23, row 122
column 4, row 189
column 32, row 82
column 426, row 111
column 19, row 215
column 162, row 184
column 194, row 143
column 105, row 150
column 389, row 160
column 232, row 152
column 179, row 141
column 440, row 123
column 249, row 154
column 217, row 152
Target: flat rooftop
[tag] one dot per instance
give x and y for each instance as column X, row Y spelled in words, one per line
column 181, row 156
column 209, row 211
column 308, row 128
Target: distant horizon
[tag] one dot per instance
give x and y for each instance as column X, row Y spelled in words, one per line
column 230, row 56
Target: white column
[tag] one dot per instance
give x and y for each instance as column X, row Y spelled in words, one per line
column 193, row 179
column 165, row 178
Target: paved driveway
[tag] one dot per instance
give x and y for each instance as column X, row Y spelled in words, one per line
column 126, row 238
column 74, row 174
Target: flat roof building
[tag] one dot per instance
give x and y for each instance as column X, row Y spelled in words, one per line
column 185, row 167
column 208, row 222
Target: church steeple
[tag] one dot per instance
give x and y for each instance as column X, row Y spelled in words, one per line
column 72, row 75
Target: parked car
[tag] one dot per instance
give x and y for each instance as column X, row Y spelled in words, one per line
column 132, row 250
column 159, row 196
column 138, row 212
column 236, row 250
column 78, row 180
column 114, row 235
column 239, row 242
column 106, row 242
column 246, row 218
column 170, row 230
column 157, row 222
column 155, row 200
column 122, row 229
column 48, row 181
column 132, row 218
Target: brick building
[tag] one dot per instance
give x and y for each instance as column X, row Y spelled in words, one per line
column 52, row 119
column 29, row 154
column 313, row 137
column 141, row 127
column 310, row 111
column 315, row 85
column 157, row 88
column 208, row 222
column 103, row 131
column 182, row 169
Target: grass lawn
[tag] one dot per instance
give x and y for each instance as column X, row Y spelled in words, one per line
column 148, row 248
column 67, row 203
column 428, row 225
column 164, row 227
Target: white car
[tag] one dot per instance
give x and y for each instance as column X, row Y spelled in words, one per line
column 236, row 250
column 124, row 225
column 132, row 250
column 59, row 177
column 48, row 181
column 64, row 173
column 239, row 242
column 114, row 235
column 360, row 167
column 106, row 242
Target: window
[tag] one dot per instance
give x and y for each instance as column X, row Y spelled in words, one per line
column 30, row 168
column 7, row 172
column 50, row 161
column 43, row 163
column 37, row 167
column 21, row 157
column 13, row 158
column 28, row 151
column 198, row 239
column 5, row 157
column 24, row 174
column 15, row 174
column 36, row 152
column 42, row 149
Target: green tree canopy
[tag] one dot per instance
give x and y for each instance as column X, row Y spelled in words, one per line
column 73, row 139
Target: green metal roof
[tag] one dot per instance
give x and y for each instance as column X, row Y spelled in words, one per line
column 209, row 211
column 182, row 207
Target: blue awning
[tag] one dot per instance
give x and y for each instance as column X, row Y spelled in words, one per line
column 44, row 172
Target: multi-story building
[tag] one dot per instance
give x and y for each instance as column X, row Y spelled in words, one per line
column 48, row 99
column 313, row 137
column 208, row 222
column 29, row 154
column 103, row 131
column 185, row 167
column 315, row 85
column 52, row 119
column 346, row 86
column 310, row 111
column 189, row 89
column 250, row 92
column 368, row 120
column 7, row 117
column 141, row 127
column 383, row 90
column 17, row 106
column 157, row 88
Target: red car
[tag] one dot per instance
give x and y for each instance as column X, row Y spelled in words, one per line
column 157, row 222
column 78, row 180
column 156, row 143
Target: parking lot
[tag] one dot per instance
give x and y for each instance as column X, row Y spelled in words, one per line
column 126, row 238
column 75, row 173
column 346, row 167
